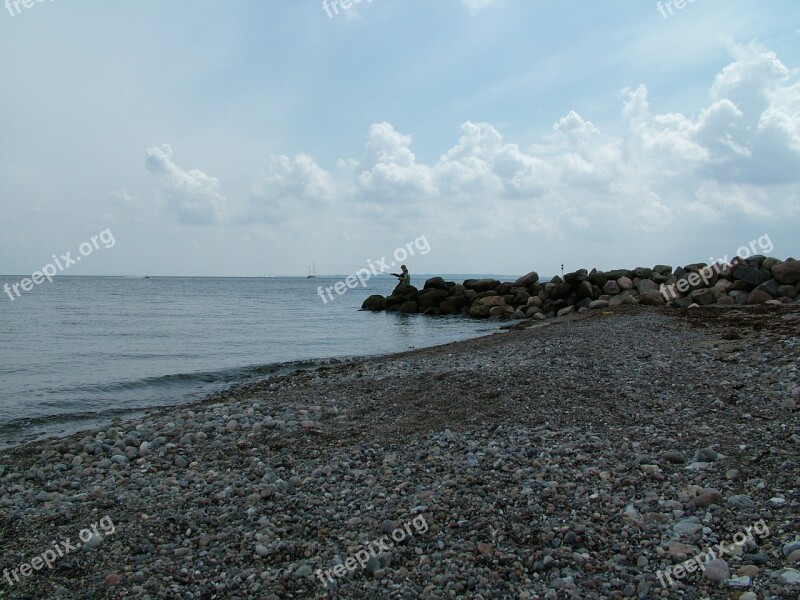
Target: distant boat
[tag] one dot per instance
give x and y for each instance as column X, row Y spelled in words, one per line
column 312, row 271
column 147, row 277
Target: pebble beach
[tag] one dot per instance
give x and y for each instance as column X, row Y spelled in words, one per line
column 597, row 455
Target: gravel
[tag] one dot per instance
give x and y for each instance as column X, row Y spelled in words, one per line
column 579, row 458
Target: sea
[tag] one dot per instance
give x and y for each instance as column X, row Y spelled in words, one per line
column 81, row 351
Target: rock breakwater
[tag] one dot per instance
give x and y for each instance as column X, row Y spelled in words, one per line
column 755, row 280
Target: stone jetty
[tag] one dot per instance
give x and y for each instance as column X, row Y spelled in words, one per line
column 754, row 280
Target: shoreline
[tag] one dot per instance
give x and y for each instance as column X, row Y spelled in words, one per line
column 544, row 454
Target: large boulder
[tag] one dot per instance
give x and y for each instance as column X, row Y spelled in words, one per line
column 750, row 275
column 651, row 298
column 394, row 301
column 491, row 301
column 617, row 273
column 704, row 296
column 643, row 272
column 663, row 269
column 787, row 273
column 625, row 283
column 375, row 302
column 479, row 311
column 645, row 285
column 585, row 291
column 758, row 297
column 597, row 278
column 408, row 307
column 432, row 298
column 527, row 280
column 574, row 279
column 501, row 311
column 481, row 285
column 435, row 283
column 611, row 288
column 771, row 287
column 405, row 290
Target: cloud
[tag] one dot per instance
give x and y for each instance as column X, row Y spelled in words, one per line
column 734, row 158
column 193, row 196
column 475, row 6
column 287, row 186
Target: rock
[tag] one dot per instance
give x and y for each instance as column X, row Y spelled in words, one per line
column 262, row 550
column 566, row 311
column 432, row 298
column 435, row 283
column 674, row 457
column 706, row 455
column 787, row 273
column 408, row 307
column 771, row 287
column 598, row 304
column 491, row 301
column 788, row 576
column 611, row 288
column 791, row 547
column 303, row 571
column 749, row 275
column 481, row 285
column 687, row 528
column 741, row 582
column 740, row 502
column 652, row 298
column 663, row 269
column 405, row 290
column 527, row 280
column 575, row 278
column 585, row 291
column 625, row 283
column 794, row 556
column 717, row 570
column 758, row 297
column 501, row 311
column 706, row 497
column 181, row 462
column 373, row 564
column 112, row 579
column 643, row 273
column 645, row 285
column 705, row 296
column 479, row 311
column 787, row 291
column 376, row 302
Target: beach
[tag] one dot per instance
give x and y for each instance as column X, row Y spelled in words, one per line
column 595, row 455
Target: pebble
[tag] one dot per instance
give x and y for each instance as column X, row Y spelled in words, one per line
column 528, row 489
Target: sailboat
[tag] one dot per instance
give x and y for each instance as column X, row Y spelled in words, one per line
column 312, row 271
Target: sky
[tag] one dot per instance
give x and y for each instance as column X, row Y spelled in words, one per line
column 251, row 138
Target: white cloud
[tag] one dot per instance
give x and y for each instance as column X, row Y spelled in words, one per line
column 476, row 6
column 730, row 159
column 192, row 195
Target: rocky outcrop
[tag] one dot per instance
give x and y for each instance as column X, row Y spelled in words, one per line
column 755, row 280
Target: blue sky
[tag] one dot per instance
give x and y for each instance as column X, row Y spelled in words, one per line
column 244, row 138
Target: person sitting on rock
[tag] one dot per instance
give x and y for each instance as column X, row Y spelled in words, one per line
column 404, row 278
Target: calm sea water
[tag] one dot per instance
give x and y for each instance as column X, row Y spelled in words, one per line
column 82, row 350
